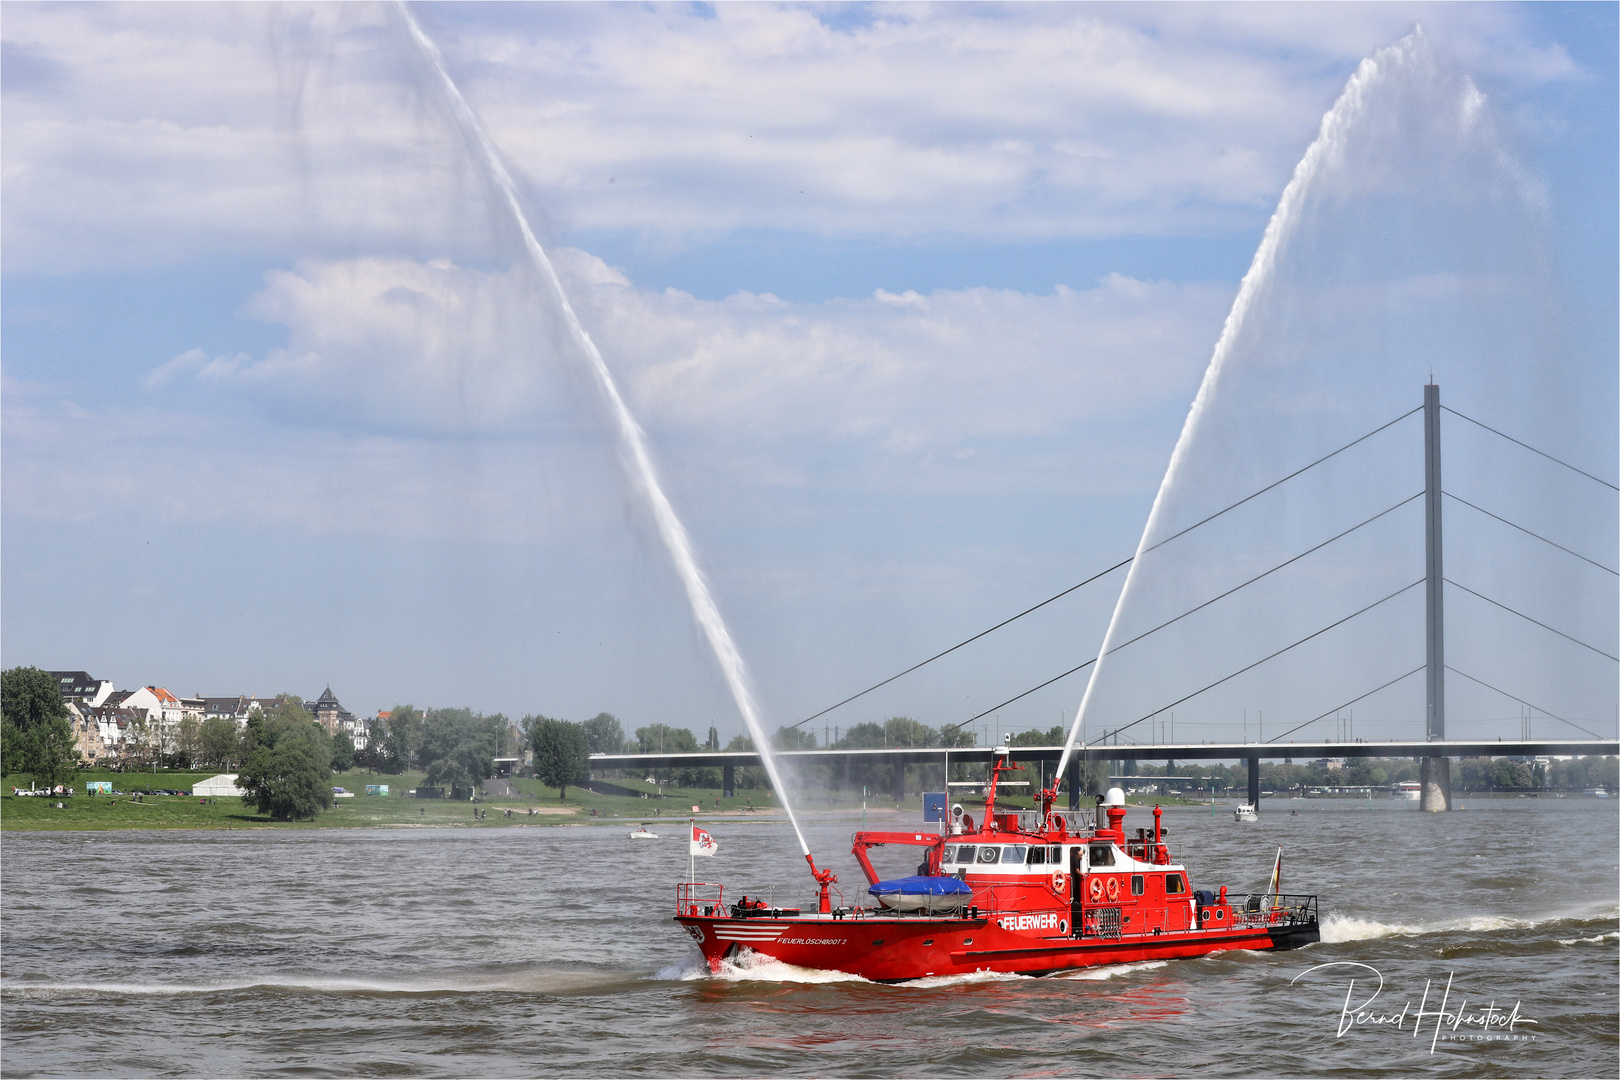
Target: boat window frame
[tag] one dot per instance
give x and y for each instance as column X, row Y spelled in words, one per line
column 984, row 849
column 1181, row 885
column 966, row 860
column 1035, row 855
column 1010, row 849
column 1107, row 851
column 1138, row 884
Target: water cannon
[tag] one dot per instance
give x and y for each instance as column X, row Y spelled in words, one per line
column 1046, row 797
column 824, row 880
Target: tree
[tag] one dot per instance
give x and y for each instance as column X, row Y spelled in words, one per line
column 342, row 752
column 35, row 734
column 561, row 751
column 29, row 697
column 289, row 781
column 253, row 733
column 604, row 734
column 188, row 739
column 219, row 743
column 458, row 746
column 404, row 735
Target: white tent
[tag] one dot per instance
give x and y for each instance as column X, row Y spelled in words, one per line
column 223, row 784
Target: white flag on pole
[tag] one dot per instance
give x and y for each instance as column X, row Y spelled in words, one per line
column 702, row 843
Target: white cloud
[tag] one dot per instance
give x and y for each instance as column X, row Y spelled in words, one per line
column 1002, row 124
column 889, row 382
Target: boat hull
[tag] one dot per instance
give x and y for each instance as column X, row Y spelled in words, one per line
column 896, row 949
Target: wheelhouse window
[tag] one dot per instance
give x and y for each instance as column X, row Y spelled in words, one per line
column 1102, row 855
column 1138, row 884
column 988, row 853
column 965, row 853
column 1036, row 857
column 1013, row 854
column 1173, row 884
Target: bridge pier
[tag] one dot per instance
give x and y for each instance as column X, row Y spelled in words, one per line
column 1254, row 783
column 728, row 781
column 899, row 782
column 1435, row 775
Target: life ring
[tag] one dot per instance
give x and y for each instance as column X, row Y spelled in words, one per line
column 1057, row 881
column 1096, row 890
column 1113, row 888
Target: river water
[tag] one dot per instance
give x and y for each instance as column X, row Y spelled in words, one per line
column 549, row 950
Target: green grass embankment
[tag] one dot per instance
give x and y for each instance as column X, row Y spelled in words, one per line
column 399, row 809
column 135, row 809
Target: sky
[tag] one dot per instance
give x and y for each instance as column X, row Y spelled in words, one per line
column 912, row 302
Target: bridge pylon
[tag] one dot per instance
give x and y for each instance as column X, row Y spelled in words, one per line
column 1435, row 771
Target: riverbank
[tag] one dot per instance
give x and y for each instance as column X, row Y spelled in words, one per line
column 526, row 802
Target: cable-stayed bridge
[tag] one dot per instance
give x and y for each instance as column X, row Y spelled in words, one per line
column 1249, row 752
column 1433, row 750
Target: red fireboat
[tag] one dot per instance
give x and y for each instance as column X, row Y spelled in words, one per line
column 1032, row 892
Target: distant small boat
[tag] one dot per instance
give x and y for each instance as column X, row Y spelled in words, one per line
column 1597, row 792
column 1245, row 813
column 641, row 832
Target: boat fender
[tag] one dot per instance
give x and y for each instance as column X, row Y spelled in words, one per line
column 1057, row 882
column 1113, row 888
column 1096, row 890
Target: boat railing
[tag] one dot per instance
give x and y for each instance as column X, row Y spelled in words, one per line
column 1280, row 909
column 699, row 898
column 1079, row 822
column 1162, row 853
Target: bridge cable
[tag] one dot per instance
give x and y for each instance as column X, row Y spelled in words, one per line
column 1527, row 532
column 1527, row 618
column 1530, row 448
column 1349, row 703
column 1284, row 480
column 1521, row 701
column 1092, row 578
column 1192, row 610
column 1262, row 660
column 969, row 641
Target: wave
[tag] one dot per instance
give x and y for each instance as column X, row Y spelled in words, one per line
column 1337, row 928
column 1100, row 974
column 513, row 981
column 750, row 966
column 1612, row 935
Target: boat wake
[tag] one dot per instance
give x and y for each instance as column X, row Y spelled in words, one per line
column 1338, row 929
column 1101, row 974
column 757, row 967
column 516, row 980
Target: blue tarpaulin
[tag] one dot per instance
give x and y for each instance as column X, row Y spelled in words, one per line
column 918, row 885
